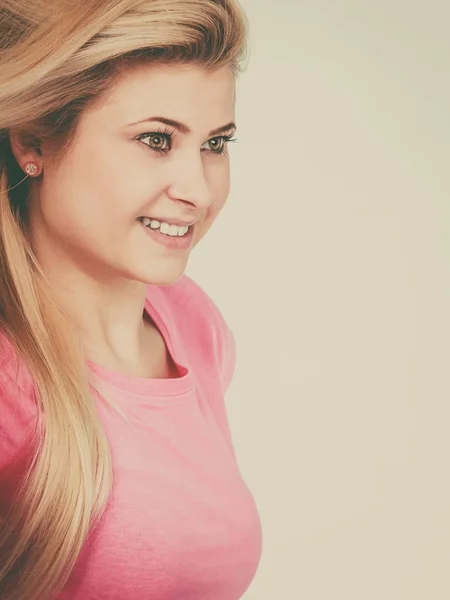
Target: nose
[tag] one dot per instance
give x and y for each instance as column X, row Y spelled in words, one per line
column 189, row 182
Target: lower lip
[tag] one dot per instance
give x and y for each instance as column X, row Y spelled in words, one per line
column 171, row 241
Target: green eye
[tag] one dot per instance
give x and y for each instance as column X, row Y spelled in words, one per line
column 157, row 141
column 218, row 144
column 160, row 141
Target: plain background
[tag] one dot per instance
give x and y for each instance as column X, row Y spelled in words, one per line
column 331, row 264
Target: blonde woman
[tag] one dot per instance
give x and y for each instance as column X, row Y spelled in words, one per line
column 117, row 470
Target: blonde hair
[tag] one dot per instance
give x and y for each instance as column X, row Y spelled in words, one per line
column 59, row 57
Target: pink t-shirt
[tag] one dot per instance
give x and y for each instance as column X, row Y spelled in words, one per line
column 181, row 524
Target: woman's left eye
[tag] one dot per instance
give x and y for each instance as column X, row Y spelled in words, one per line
column 218, row 144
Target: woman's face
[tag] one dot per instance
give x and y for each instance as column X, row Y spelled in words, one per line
column 126, row 163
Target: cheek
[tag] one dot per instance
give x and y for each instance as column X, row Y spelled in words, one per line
column 107, row 181
column 219, row 193
column 94, row 196
column 76, row 215
column 219, row 183
column 71, row 210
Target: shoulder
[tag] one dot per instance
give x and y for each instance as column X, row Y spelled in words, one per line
column 194, row 313
column 18, row 414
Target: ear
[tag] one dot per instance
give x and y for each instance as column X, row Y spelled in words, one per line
column 26, row 148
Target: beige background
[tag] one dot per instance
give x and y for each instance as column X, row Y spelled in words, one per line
column 331, row 263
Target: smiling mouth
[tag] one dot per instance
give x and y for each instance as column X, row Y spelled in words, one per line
column 164, row 227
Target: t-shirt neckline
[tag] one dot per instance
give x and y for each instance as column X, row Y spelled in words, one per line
column 149, row 386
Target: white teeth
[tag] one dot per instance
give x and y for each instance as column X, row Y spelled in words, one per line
column 182, row 231
column 164, row 228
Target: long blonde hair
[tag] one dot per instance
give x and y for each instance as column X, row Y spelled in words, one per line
column 58, row 57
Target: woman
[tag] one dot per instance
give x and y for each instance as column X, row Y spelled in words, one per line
column 117, row 468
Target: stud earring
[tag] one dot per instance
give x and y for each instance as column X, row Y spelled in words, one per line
column 31, row 168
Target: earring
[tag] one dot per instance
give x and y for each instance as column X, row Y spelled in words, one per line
column 31, row 168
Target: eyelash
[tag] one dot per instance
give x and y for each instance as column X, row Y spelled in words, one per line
column 169, row 136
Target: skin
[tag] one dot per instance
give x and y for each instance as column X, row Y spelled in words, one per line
column 83, row 215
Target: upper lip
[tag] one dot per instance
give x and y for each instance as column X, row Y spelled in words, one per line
column 171, row 221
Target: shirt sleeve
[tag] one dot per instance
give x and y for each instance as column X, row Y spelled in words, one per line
column 223, row 340
column 225, row 348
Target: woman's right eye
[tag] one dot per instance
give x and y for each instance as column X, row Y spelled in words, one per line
column 157, row 141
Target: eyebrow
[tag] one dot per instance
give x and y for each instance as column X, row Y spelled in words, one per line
column 184, row 128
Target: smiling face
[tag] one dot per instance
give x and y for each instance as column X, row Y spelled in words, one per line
column 156, row 146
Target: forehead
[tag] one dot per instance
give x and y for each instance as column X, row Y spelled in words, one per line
column 187, row 93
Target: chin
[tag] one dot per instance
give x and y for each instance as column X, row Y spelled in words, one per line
column 163, row 277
